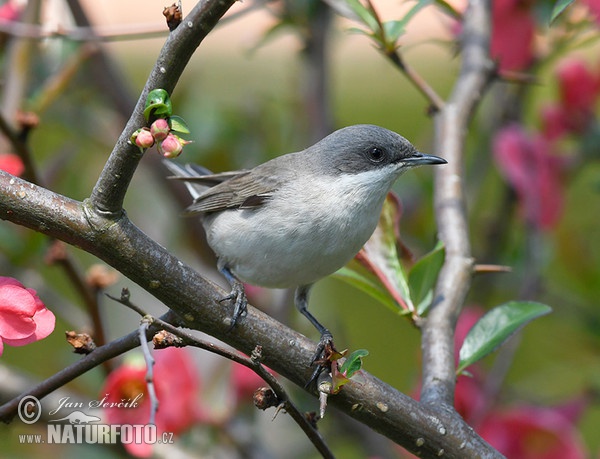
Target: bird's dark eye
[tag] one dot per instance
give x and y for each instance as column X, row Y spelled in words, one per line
column 376, row 154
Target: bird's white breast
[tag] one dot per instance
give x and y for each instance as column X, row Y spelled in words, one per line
column 309, row 229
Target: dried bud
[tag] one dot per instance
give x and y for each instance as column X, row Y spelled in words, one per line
column 143, row 138
column 265, row 398
column 172, row 146
column 160, row 129
column 82, row 342
column 173, row 15
column 164, row 339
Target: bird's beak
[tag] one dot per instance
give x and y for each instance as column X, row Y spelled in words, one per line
column 419, row 159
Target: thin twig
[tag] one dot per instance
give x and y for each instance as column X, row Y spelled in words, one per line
column 101, row 354
column 142, row 333
column 311, row 432
column 437, row 103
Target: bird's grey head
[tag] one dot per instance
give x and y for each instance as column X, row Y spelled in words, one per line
column 366, row 147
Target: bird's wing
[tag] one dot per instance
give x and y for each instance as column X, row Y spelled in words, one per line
column 247, row 189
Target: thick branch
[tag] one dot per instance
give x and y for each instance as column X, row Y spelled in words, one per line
column 119, row 243
column 450, row 203
column 109, row 192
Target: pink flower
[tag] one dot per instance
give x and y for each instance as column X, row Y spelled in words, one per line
column 23, row 317
column 530, row 168
column 555, row 122
column 143, row 138
column 10, row 11
column 11, row 163
column 177, row 388
column 594, row 7
column 527, row 432
column 513, row 28
column 160, row 129
column 171, row 146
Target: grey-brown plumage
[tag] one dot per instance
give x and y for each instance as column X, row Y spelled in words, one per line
column 299, row 217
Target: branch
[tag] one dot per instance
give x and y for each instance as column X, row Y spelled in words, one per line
column 450, row 205
column 100, row 227
column 109, row 192
column 254, row 363
column 196, row 301
column 98, row 356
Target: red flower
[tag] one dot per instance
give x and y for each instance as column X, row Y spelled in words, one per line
column 530, row 168
column 528, row 432
column 23, row 317
column 177, row 388
column 512, row 34
column 11, row 163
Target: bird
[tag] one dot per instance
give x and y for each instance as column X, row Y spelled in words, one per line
column 299, row 217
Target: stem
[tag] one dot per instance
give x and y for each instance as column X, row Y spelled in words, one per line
column 109, row 192
column 450, row 204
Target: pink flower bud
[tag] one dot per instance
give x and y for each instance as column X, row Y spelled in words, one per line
column 143, row 138
column 172, row 146
column 160, row 129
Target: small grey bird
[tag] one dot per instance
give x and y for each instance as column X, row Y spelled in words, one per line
column 299, row 217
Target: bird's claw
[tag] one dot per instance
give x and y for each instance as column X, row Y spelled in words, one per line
column 238, row 297
column 322, row 356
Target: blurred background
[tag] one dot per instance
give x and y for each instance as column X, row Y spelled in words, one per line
column 259, row 86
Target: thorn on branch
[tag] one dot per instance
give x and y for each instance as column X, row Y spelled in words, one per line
column 488, row 268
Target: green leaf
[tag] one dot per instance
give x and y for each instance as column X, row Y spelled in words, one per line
column 158, row 103
column 353, row 363
column 423, row 276
column 369, row 286
column 178, row 124
column 395, row 29
column 380, row 254
column 559, row 7
column 495, row 327
column 365, row 14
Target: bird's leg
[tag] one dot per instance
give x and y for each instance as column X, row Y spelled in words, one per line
column 237, row 295
column 325, row 345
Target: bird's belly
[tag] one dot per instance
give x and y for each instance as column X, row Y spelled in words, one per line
column 286, row 252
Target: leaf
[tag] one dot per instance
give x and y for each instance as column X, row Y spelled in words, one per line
column 395, row 29
column 158, row 103
column 559, row 7
column 423, row 276
column 495, row 327
column 380, row 255
column 178, row 124
column 370, row 286
column 365, row 15
column 353, row 363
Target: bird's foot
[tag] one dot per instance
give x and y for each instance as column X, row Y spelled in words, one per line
column 238, row 297
column 322, row 357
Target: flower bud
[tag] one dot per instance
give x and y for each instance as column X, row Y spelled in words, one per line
column 172, row 146
column 143, row 138
column 160, row 129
